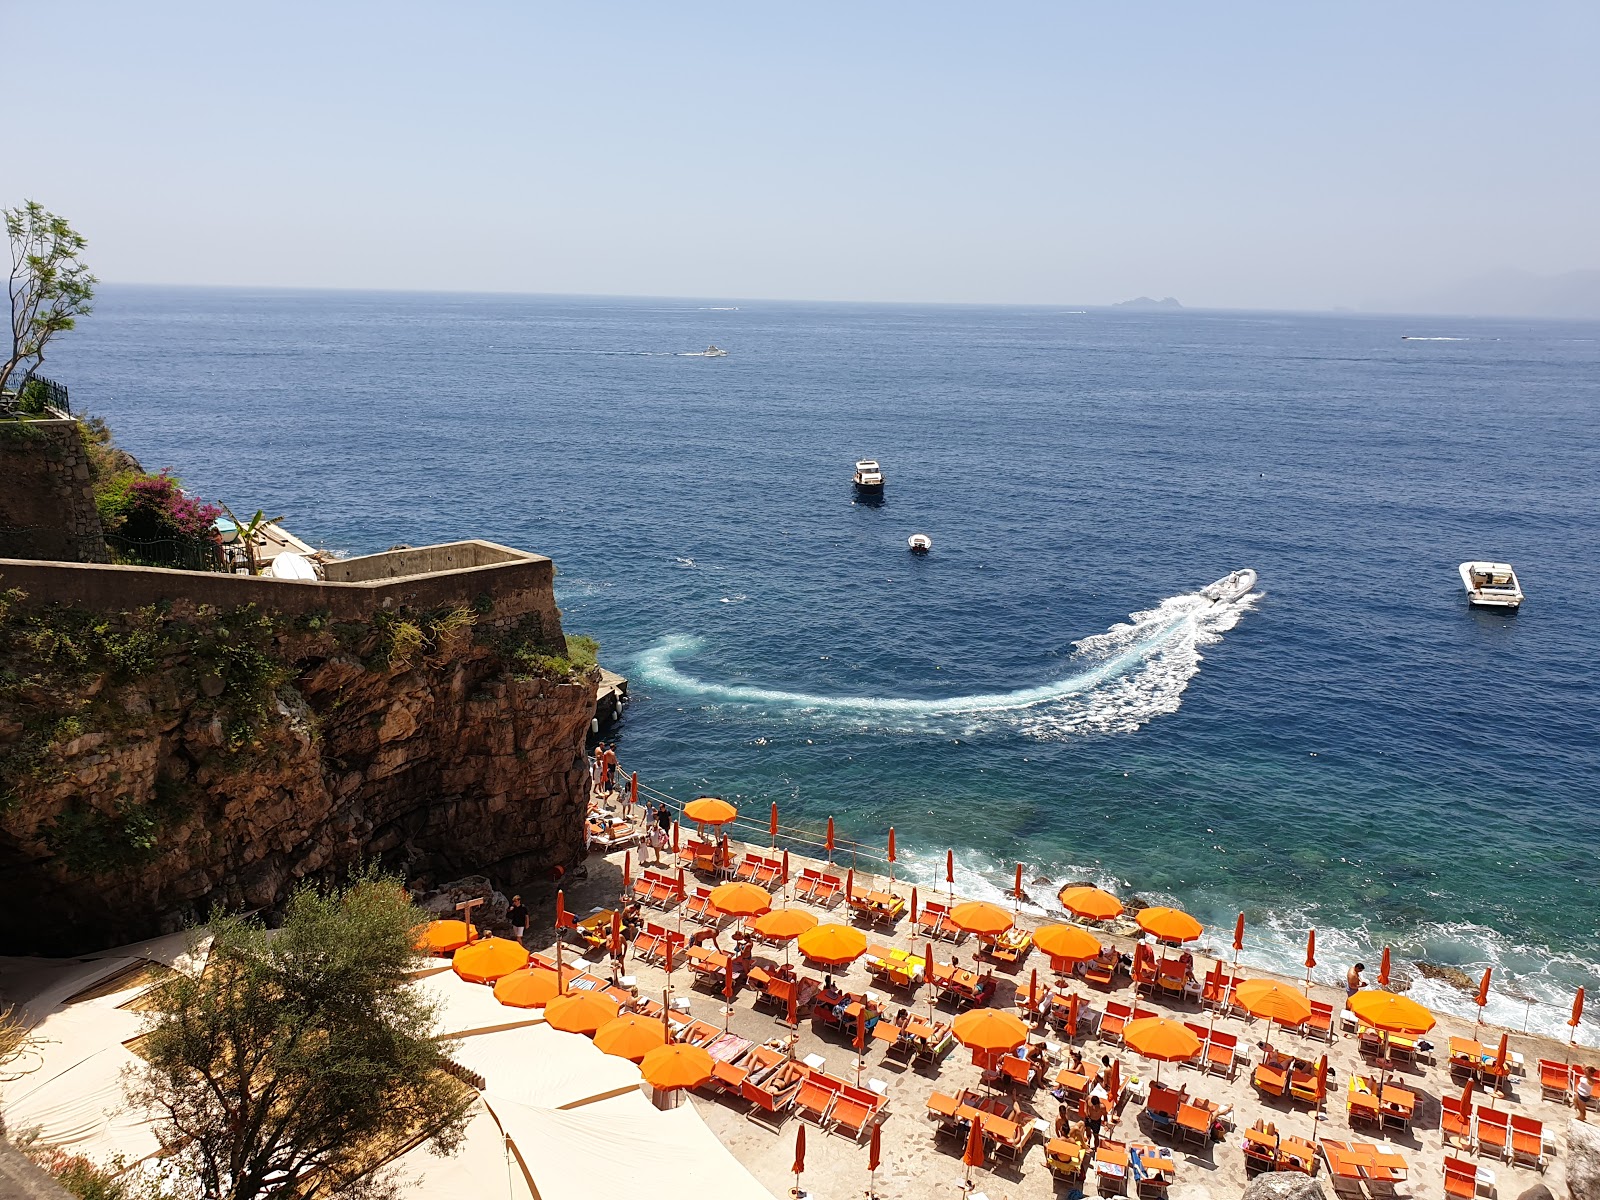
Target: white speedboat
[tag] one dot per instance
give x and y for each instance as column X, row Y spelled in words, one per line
column 868, row 476
column 1491, row 585
column 919, row 543
column 715, row 352
column 1231, row 587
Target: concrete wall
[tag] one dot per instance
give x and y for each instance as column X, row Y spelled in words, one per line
column 46, row 501
column 517, row 584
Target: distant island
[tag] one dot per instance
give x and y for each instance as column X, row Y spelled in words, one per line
column 1147, row 302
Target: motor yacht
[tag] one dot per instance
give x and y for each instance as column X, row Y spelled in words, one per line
column 1491, row 585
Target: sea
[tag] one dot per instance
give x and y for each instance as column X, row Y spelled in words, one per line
column 1350, row 748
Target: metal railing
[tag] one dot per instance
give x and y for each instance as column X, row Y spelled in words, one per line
column 37, row 396
column 184, row 554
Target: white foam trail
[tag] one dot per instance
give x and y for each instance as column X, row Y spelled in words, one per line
column 1432, row 339
column 1133, row 672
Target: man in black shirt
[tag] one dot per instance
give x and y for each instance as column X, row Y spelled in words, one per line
column 517, row 915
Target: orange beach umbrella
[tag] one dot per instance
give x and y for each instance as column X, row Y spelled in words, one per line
column 989, row 1030
column 487, row 959
column 782, row 924
column 677, row 1065
column 740, row 899
column 1067, row 941
column 1017, row 893
column 1090, row 903
column 1483, row 991
column 1160, row 1039
column 772, row 826
column 445, row 937
column 981, row 918
column 1272, row 1001
column 833, row 944
column 891, row 843
column 1383, row 968
column 580, row 1012
column 1577, row 1015
column 1169, row 924
column 531, row 987
column 1238, row 934
column 972, row 1152
column 1391, row 1012
column 630, row 1036
column 709, row 810
column 829, row 845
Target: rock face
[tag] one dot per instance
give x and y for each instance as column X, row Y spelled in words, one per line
column 1285, row 1185
column 47, row 503
column 230, row 763
column 1583, row 1160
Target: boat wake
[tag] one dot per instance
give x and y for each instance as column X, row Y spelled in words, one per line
column 1122, row 679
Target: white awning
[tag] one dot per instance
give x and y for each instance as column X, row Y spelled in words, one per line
column 545, row 1068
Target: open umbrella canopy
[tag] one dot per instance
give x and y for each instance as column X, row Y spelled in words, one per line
column 833, row 944
column 531, row 987
column 781, row 924
column 1090, row 903
column 1169, row 924
column 678, row 1065
column 709, row 810
column 630, row 1036
column 740, row 899
column 1273, row 1001
column 487, row 959
column 1391, row 1012
column 1066, row 941
column 989, row 1030
column 580, row 1012
column 442, row 937
column 981, row 918
column 1159, row 1038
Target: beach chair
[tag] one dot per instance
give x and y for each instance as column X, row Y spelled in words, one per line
column 805, row 887
column 726, row 1078
column 1111, row 1167
column 1172, row 977
column 1305, row 1087
column 930, row 917
column 1116, row 1018
column 1494, row 1132
column 1269, row 1079
column 816, row 1096
column 1296, row 1154
column 1456, row 1128
column 1460, row 1178
column 646, row 942
column 767, row 871
column 1100, row 973
column 698, row 908
column 1362, row 1104
column 1555, row 1079
column 1527, row 1142
column 1222, row 1052
column 1320, row 1022
column 1162, row 1108
column 747, row 869
column 1260, row 1151
column 1066, row 1160
column 827, row 890
column 771, row 1100
column 854, row 1111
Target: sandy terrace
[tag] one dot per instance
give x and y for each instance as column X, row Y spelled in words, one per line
column 917, row 1162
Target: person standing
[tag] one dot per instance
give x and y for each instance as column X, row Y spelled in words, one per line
column 1353, row 982
column 517, row 915
column 1092, row 1118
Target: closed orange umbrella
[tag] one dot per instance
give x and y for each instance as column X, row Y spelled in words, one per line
column 580, row 1012
column 1500, row 1056
column 633, row 790
column 1169, row 924
column 799, row 1155
column 1067, row 941
column 1273, row 1001
column 989, row 1030
column 1383, row 968
column 531, row 987
column 1160, row 1039
column 782, row 924
column 1391, row 1012
column 678, row 1065
column 913, row 917
column 1577, row 1015
column 1311, row 956
column 740, row 899
column 972, row 1153
column 445, row 937
column 630, row 1036
column 891, row 843
column 486, row 959
column 772, row 826
column 1483, row 993
column 829, row 846
column 981, row 918
column 1016, row 887
column 709, row 810
column 950, row 871
column 1090, row 903
column 833, row 944
column 1238, row 933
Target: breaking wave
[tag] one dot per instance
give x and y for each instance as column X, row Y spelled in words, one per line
column 1123, row 678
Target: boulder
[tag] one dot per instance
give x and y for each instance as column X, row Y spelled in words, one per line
column 1537, row 1192
column 1583, row 1160
column 1285, row 1185
column 1452, row 976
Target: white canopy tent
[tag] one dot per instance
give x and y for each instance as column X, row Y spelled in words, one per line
column 545, row 1068
column 470, row 1008
column 622, row 1147
column 482, row 1169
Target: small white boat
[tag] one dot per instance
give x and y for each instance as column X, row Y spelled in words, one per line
column 919, row 543
column 868, row 476
column 1491, row 585
column 715, row 352
column 1230, row 587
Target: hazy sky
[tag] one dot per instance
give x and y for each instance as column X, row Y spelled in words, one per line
column 1252, row 155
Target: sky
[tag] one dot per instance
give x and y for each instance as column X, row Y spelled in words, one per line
column 1229, row 154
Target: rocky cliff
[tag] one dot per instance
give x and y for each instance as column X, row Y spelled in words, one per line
column 158, row 762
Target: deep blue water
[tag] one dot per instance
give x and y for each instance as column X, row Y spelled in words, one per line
column 1352, row 748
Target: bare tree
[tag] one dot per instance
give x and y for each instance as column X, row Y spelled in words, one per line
column 50, row 287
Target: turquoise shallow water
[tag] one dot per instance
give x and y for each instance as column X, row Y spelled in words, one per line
column 1350, row 747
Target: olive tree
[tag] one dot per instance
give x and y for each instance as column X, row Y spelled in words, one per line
column 50, row 287
column 296, row 1062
